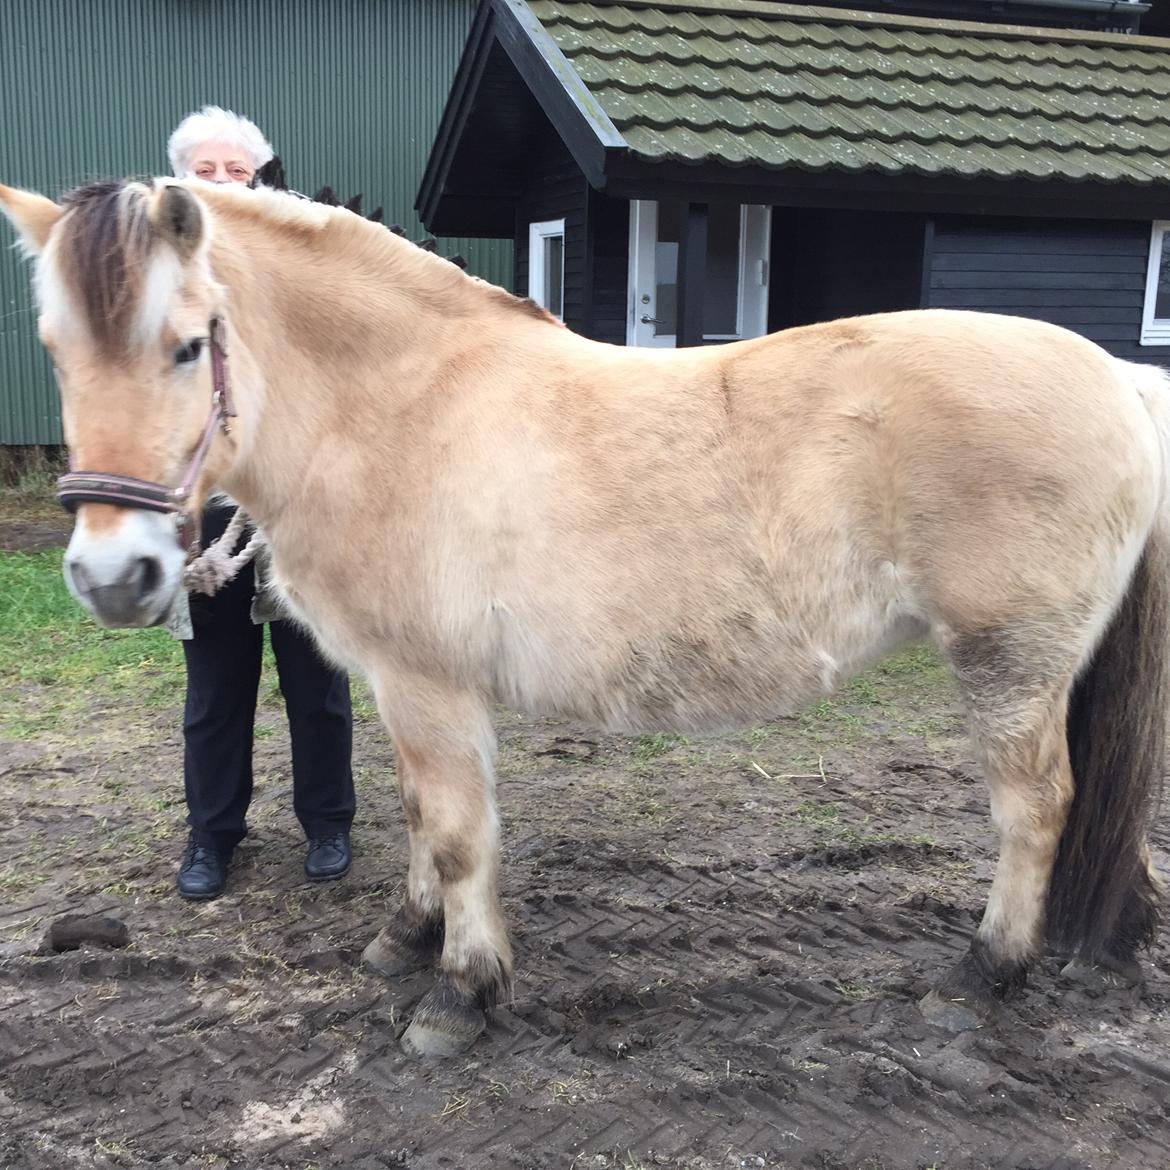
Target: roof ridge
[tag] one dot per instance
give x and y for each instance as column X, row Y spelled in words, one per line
column 776, row 10
column 993, row 48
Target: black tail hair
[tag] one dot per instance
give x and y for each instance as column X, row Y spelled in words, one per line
column 1103, row 901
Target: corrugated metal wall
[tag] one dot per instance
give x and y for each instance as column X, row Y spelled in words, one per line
column 348, row 91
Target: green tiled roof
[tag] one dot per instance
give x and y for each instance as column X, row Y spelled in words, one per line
column 746, row 82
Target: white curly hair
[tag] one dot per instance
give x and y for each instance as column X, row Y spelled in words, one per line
column 212, row 124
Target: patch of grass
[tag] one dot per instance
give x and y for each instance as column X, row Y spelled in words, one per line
column 857, row 990
column 919, row 659
column 908, row 694
column 817, row 811
column 365, row 710
column 863, row 689
column 859, row 838
column 16, row 880
column 649, row 747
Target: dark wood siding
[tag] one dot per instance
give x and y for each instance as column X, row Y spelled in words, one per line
column 827, row 264
column 1088, row 275
column 554, row 189
column 609, row 234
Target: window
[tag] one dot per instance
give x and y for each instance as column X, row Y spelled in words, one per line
column 546, row 265
column 1156, row 316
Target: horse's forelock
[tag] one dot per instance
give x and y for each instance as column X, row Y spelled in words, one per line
column 102, row 256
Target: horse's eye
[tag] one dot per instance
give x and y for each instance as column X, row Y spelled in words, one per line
column 189, row 352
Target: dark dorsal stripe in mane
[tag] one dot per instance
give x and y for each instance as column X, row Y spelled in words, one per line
column 105, row 244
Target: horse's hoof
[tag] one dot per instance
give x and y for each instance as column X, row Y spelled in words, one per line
column 955, row 1015
column 1105, row 974
column 442, row 1029
column 392, row 958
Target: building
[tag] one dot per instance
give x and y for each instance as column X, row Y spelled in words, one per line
column 694, row 171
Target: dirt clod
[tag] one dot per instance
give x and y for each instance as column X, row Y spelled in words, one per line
column 73, row 931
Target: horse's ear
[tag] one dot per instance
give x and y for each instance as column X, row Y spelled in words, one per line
column 32, row 215
column 177, row 216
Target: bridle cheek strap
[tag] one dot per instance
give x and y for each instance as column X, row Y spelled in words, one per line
column 124, row 491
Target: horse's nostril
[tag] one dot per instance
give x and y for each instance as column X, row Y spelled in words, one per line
column 149, row 575
column 81, row 579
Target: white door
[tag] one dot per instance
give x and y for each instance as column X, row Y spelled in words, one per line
column 735, row 295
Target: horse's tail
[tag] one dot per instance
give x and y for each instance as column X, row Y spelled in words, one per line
column 1104, row 898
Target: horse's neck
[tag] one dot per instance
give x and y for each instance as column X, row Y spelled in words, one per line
column 334, row 348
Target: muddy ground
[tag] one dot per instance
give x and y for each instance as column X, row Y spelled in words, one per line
column 720, row 943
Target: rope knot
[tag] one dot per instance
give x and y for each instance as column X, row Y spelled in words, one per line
column 218, row 565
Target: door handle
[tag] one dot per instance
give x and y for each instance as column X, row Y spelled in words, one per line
column 648, row 320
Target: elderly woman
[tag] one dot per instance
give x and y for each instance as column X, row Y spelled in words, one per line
column 224, row 645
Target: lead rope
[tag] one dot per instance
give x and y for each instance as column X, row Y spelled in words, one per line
column 216, row 566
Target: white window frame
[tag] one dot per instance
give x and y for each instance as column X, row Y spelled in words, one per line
column 755, row 234
column 538, row 233
column 1155, row 331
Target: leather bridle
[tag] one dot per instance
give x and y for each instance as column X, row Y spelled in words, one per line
column 124, row 491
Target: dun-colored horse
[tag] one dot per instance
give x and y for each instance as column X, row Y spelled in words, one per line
column 470, row 504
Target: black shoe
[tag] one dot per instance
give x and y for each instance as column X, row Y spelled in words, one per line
column 328, row 857
column 202, row 873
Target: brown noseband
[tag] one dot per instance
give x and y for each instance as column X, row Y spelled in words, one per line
column 124, row 491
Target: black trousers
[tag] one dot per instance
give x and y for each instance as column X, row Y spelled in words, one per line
column 223, row 676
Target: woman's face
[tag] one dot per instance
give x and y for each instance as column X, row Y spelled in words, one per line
column 220, row 162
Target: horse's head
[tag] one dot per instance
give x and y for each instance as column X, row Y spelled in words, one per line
column 126, row 295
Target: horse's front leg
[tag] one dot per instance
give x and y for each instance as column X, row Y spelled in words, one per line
column 444, row 747
column 413, row 938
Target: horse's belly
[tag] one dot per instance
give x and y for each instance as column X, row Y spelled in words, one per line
column 729, row 666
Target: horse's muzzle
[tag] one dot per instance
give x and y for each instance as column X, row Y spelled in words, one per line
column 128, row 575
column 129, row 601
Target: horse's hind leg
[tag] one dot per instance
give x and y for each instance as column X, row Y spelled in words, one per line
column 444, row 745
column 1018, row 727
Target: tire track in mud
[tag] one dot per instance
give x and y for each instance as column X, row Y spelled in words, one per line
column 772, row 1087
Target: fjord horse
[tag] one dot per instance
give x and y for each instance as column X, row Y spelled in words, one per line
column 470, row 504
